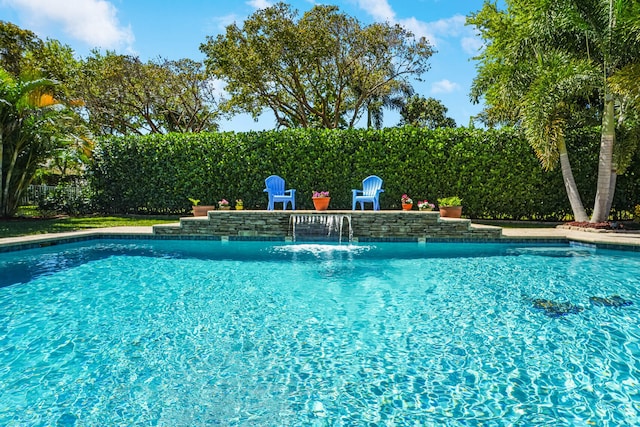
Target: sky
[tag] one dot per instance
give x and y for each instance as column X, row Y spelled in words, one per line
column 174, row 29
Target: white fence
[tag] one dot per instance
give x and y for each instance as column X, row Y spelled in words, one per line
column 34, row 192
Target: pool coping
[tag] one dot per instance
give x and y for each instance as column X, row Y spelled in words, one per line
column 618, row 241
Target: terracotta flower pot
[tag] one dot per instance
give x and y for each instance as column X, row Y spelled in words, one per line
column 451, row 211
column 201, row 210
column 321, row 203
column 407, row 206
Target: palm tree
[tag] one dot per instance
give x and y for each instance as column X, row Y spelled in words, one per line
column 393, row 99
column 27, row 134
column 544, row 61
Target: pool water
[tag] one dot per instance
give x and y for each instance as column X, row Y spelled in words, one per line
column 195, row 333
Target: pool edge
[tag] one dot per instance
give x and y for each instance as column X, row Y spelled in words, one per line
column 523, row 235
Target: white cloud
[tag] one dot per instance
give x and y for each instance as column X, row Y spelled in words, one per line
column 222, row 22
column 378, row 9
column 94, row 22
column 471, row 45
column 436, row 32
column 218, row 87
column 444, row 86
column 449, row 27
column 419, row 29
column 439, row 31
column 455, row 27
column 259, row 4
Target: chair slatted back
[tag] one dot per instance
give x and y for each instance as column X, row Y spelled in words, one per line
column 370, row 185
column 275, row 185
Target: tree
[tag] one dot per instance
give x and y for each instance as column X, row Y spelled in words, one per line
column 394, row 100
column 29, row 133
column 425, row 112
column 22, row 52
column 36, row 125
column 321, row 70
column 122, row 95
column 14, row 44
column 547, row 65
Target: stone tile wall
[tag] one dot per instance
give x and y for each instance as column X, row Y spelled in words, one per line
column 365, row 224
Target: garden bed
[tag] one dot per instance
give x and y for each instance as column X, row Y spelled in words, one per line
column 604, row 226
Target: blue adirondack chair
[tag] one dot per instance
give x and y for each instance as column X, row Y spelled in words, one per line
column 277, row 193
column 371, row 189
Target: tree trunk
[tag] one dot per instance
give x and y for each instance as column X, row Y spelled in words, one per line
column 612, row 189
column 21, row 186
column 579, row 214
column 8, row 209
column 2, row 207
column 604, row 194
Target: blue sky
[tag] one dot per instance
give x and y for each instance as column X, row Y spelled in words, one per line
column 175, row 29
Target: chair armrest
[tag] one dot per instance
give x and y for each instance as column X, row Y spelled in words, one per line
column 291, row 192
column 355, row 192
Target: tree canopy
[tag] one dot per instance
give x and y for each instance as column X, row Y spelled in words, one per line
column 123, row 95
column 425, row 112
column 15, row 43
column 321, row 70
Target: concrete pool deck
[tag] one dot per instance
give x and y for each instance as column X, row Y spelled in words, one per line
column 614, row 238
column 618, row 239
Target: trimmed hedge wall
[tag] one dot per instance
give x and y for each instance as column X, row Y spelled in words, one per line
column 494, row 171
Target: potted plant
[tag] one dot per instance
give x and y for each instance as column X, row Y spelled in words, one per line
column 224, row 205
column 198, row 209
column 321, row 200
column 450, row 207
column 426, row 206
column 407, row 202
column 239, row 204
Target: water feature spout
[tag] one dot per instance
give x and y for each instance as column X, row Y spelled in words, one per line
column 321, row 227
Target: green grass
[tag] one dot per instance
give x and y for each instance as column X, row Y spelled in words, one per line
column 25, row 225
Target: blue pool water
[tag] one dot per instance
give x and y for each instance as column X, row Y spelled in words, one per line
column 165, row 333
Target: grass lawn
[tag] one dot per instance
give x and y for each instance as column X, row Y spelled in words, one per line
column 25, row 225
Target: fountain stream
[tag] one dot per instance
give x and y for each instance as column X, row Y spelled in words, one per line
column 321, row 227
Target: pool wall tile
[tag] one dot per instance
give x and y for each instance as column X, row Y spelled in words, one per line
column 373, row 225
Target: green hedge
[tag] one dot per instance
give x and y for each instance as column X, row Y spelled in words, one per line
column 494, row 171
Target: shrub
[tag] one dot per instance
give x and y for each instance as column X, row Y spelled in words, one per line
column 495, row 172
column 66, row 200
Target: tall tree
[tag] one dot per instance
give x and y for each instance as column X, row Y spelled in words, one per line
column 321, row 70
column 547, row 64
column 15, row 42
column 22, row 52
column 123, row 95
column 36, row 124
column 30, row 120
column 425, row 112
column 396, row 99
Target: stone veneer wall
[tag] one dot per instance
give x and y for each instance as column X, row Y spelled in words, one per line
column 365, row 224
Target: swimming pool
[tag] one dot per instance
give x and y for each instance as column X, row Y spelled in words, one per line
column 195, row 333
